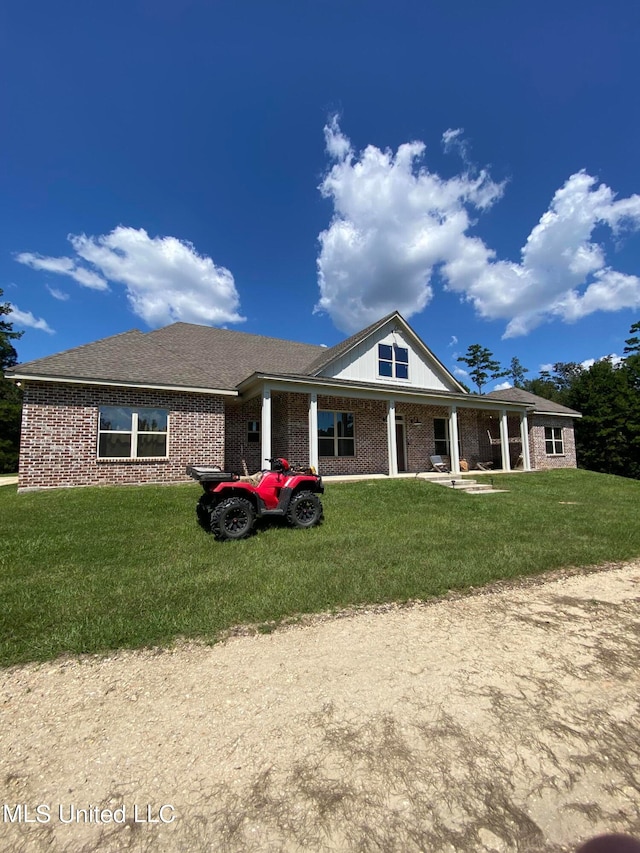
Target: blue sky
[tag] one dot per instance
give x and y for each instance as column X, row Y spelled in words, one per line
column 299, row 169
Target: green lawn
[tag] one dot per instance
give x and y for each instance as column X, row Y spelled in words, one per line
column 87, row 570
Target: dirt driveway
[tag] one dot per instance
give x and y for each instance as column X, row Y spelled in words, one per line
column 504, row 721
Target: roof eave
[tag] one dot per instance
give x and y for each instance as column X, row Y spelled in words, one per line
column 557, row 414
column 117, row 383
column 285, row 381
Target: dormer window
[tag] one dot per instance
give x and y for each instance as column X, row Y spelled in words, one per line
column 393, row 361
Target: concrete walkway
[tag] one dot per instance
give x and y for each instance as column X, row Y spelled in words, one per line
column 8, row 479
column 422, row 475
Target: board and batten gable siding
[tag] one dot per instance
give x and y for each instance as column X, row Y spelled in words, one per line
column 361, row 364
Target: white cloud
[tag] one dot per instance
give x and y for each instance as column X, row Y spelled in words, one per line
column 395, row 224
column 453, row 341
column 458, row 371
column 26, row 318
column 63, row 266
column 502, row 386
column 546, row 368
column 165, row 278
column 58, row 294
column 562, row 272
column 615, row 360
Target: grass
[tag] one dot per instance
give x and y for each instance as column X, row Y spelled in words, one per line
column 89, row 570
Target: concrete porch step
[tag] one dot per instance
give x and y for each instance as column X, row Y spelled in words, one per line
column 471, row 487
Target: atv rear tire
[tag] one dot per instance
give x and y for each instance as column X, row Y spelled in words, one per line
column 305, row 510
column 204, row 510
column 233, row 519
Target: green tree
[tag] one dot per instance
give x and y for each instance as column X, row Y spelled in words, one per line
column 516, row 373
column 555, row 384
column 10, row 395
column 482, row 365
column 608, row 397
column 608, row 434
column 633, row 341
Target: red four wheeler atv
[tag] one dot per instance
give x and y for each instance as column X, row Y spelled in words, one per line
column 230, row 503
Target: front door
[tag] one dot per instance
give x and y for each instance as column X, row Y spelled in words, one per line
column 401, row 443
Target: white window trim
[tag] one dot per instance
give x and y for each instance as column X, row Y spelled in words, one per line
column 555, row 441
column 392, row 361
column 336, row 437
column 134, row 437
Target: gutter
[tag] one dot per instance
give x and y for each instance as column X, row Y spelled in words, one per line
column 18, row 377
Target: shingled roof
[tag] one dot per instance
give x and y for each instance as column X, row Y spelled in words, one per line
column 328, row 354
column 227, row 357
column 181, row 355
column 540, row 404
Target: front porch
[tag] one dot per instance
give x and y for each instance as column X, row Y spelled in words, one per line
column 368, row 433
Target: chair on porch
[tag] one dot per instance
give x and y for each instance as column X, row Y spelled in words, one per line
column 439, row 465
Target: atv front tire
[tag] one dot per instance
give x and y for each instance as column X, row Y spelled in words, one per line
column 305, row 510
column 233, row 519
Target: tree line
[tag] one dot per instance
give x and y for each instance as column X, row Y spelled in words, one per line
column 607, row 394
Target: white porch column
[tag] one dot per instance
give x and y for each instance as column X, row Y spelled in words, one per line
column 265, row 430
column 504, row 441
column 391, row 438
column 524, row 437
column 453, row 440
column 313, row 429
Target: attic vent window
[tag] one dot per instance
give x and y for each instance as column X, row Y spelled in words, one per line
column 393, row 361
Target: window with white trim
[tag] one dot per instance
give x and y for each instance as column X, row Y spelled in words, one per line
column 393, row 361
column 336, row 434
column 125, row 433
column 554, row 445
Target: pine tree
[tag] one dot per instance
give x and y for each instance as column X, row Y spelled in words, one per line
column 516, row 373
column 483, row 366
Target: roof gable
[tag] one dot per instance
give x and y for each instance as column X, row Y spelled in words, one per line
column 357, row 358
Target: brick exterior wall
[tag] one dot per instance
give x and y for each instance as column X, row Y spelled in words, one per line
column 537, row 448
column 60, row 433
column 370, row 430
column 237, row 445
column 60, row 430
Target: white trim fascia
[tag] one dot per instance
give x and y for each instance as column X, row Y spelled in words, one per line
column 384, row 392
column 556, row 414
column 67, row 380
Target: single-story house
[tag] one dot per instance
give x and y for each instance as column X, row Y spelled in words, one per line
column 139, row 407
